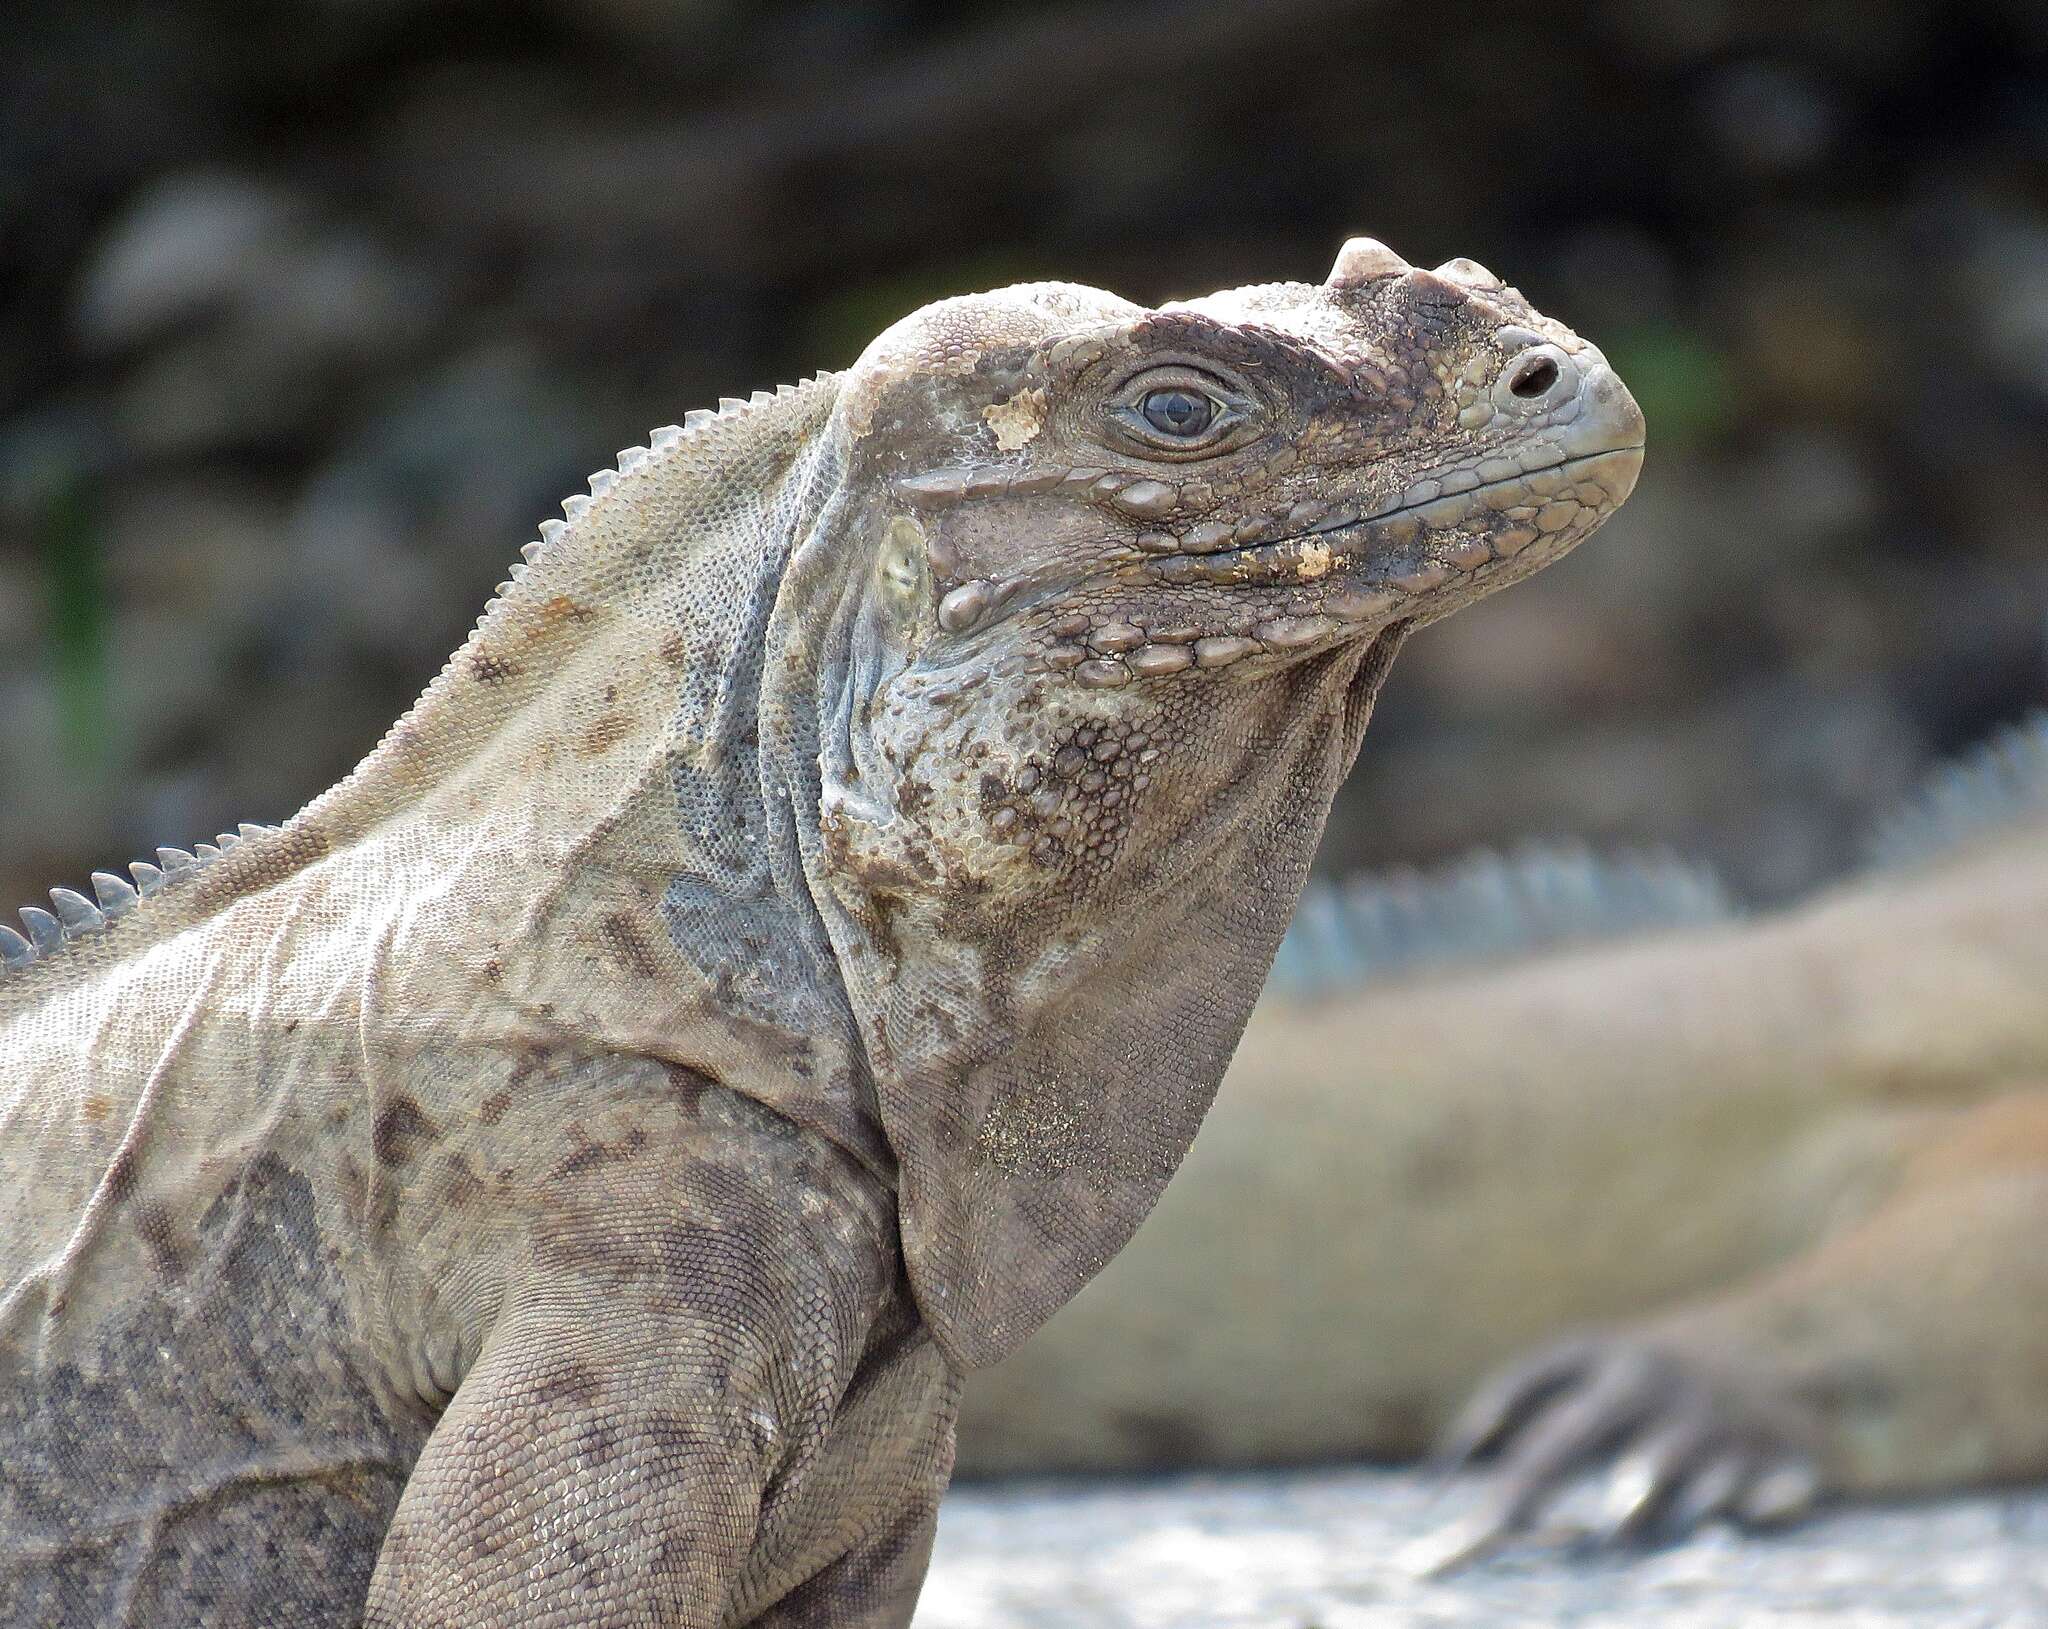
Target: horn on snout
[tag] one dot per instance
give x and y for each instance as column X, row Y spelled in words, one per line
column 1361, row 260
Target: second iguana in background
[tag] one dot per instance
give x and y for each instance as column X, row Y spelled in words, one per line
column 1736, row 1213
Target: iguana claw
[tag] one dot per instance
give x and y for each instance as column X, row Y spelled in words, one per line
column 1674, row 1443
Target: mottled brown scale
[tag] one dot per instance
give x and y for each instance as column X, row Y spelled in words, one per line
column 571, row 1385
column 400, row 1128
column 624, row 936
column 602, row 734
column 487, row 667
column 597, row 1136
column 160, row 1232
column 119, row 1182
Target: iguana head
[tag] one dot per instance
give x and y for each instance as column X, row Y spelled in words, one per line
column 1113, row 588
column 1122, row 494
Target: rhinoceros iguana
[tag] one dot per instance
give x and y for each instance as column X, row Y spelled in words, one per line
column 560, row 1177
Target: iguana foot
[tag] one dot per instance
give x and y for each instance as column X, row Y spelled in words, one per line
column 1674, row 1442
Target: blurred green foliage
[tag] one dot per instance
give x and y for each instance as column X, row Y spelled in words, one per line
column 1683, row 381
column 75, row 596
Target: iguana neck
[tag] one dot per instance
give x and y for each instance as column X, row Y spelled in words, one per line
column 632, row 631
column 595, row 749
column 564, row 839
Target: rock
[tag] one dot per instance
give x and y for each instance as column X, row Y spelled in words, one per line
column 1333, row 1549
column 252, row 314
column 185, row 247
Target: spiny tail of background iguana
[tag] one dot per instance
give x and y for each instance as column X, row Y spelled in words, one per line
column 1751, row 1210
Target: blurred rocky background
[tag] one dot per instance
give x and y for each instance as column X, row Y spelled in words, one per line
column 309, row 313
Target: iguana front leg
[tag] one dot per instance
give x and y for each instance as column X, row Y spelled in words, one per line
column 677, row 1383
column 1905, row 1353
column 875, row 1584
column 603, row 1463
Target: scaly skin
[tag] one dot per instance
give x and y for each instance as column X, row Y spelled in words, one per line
column 560, row 1177
column 1765, row 1201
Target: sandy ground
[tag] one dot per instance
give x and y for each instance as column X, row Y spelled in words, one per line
column 1334, row 1550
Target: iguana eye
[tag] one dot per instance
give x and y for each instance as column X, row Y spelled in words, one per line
column 1176, row 412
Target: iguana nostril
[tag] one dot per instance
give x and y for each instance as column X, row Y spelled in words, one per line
column 1534, row 378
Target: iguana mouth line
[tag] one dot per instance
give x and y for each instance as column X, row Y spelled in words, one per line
column 1259, row 558
column 1521, row 479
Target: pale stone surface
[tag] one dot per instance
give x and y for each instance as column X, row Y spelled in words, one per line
column 1323, row 1550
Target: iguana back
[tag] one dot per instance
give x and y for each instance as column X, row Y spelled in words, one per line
column 251, row 1121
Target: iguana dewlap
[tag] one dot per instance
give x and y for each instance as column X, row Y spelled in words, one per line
column 1737, row 1214
column 561, row 1176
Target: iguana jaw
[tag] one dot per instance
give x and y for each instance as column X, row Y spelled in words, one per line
column 1416, row 557
column 1347, row 541
column 1417, row 560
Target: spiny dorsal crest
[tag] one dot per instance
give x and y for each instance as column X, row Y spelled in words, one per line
column 1486, row 908
column 2000, row 783
column 700, row 425
column 72, row 916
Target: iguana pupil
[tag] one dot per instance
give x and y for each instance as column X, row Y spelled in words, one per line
column 1178, row 412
